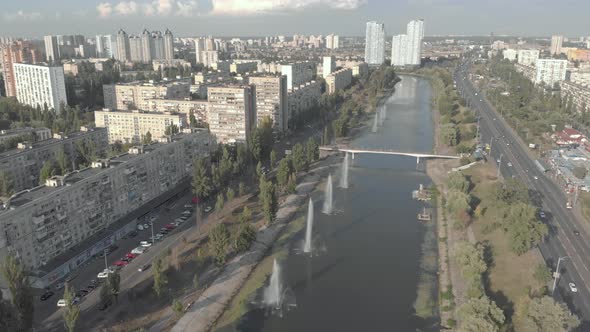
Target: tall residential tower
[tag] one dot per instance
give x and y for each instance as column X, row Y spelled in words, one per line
column 375, row 43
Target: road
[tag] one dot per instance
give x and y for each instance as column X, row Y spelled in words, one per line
column 562, row 223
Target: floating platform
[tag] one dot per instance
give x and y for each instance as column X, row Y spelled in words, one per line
column 425, row 215
column 421, row 194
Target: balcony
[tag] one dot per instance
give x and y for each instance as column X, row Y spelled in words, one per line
column 38, row 219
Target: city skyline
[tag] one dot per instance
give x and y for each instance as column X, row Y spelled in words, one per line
column 247, row 18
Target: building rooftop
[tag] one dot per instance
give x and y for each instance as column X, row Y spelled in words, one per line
column 152, row 83
column 45, row 143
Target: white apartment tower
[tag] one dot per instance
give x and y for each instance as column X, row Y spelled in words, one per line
column 332, row 41
column 147, row 46
column 135, row 49
column 104, row 46
column 51, row 49
column 123, row 51
column 399, row 50
column 415, row 33
column 556, row 43
column 168, row 45
column 328, row 66
column 271, row 100
column 375, row 43
column 38, row 85
column 232, row 114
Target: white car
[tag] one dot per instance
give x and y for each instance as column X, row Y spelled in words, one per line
column 207, row 209
column 509, row 164
column 61, row 303
column 138, row 250
column 573, row 287
column 145, row 244
column 536, row 177
column 102, row 275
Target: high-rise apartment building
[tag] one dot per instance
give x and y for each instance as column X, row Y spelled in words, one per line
column 550, row 71
column 375, row 43
column 168, row 45
column 232, row 113
column 147, row 46
column 271, row 100
column 132, row 126
column 23, row 164
column 328, row 65
column 332, row 41
column 16, row 52
column 136, row 49
column 123, row 48
column 199, row 48
column 298, row 73
column 556, row 43
column 208, row 58
column 135, row 95
column 104, row 46
column 39, row 85
column 407, row 48
column 158, row 51
column 44, row 224
column 51, row 49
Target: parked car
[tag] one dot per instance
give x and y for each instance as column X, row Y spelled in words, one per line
column 145, row 244
column 186, row 212
column 178, row 220
column 188, row 206
column 131, row 255
column 61, row 303
column 144, row 267
column 169, row 226
column 542, row 214
column 47, row 295
column 183, row 218
column 140, row 227
column 120, row 263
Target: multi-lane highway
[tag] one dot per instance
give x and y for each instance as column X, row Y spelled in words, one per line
column 567, row 238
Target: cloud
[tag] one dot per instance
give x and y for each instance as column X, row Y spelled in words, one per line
column 151, row 8
column 21, row 15
column 247, row 7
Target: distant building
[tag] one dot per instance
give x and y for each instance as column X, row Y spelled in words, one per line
column 208, row 58
column 136, row 49
column 147, row 47
column 232, row 113
column 16, row 52
column 51, row 49
column 55, row 228
column 339, row 80
column 104, row 46
column 328, row 66
column 132, row 126
column 123, row 47
column 399, row 50
column 509, row 54
column 40, row 134
column 578, row 55
column 23, row 165
column 332, row 41
column 556, row 43
column 528, row 71
column 577, row 94
column 298, row 73
column 198, row 108
column 71, row 67
column 528, row 57
column 135, row 95
column 173, row 63
column 303, row 98
column 168, row 45
column 407, row 49
column 375, row 43
column 360, row 69
column 243, row 67
column 550, row 71
column 271, row 100
column 39, row 85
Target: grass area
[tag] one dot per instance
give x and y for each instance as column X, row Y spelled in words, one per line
column 509, row 276
column 240, row 303
column 584, row 200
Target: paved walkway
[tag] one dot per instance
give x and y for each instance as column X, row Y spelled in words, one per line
column 214, row 300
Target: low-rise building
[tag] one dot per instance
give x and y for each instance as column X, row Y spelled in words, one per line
column 135, row 95
column 271, row 68
column 577, row 94
column 303, row 98
column 170, row 63
column 71, row 67
column 37, row 134
column 271, row 100
column 339, row 80
column 243, row 67
column 23, row 164
column 132, row 126
column 360, row 69
column 232, row 113
column 91, row 208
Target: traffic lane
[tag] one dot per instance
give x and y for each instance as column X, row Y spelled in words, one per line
column 89, row 272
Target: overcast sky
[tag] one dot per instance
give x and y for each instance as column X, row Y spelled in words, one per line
column 31, row 18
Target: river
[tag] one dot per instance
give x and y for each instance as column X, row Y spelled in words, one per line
column 366, row 276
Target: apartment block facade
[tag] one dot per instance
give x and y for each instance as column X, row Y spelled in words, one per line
column 132, row 126
column 232, row 113
column 23, row 165
column 298, row 73
column 40, row 85
column 19, row 51
column 303, row 98
column 528, row 57
column 578, row 94
column 550, row 71
column 135, row 95
column 271, row 100
column 339, row 80
column 44, row 223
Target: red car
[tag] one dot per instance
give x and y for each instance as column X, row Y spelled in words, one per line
column 169, row 226
column 120, row 263
column 131, row 255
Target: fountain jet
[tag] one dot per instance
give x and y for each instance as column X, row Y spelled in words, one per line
column 344, row 174
column 307, row 247
column 328, row 200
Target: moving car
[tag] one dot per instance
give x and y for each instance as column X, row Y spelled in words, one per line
column 144, row 267
column 131, row 255
column 138, row 251
column 47, row 295
column 573, row 287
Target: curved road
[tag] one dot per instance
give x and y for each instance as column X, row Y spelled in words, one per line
column 562, row 222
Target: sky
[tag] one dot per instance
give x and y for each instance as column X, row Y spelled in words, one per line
column 35, row 18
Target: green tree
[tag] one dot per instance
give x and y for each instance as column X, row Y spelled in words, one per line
column 244, row 237
column 542, row 273
column 20, row 290
column 268, row 199
column 105, row 293
column 219, row 241
column 178, row 308
column 284, row 171
column 457, row 181
column 312, row 150
column 246, row 215
column 114, row 284
column 230, row 194
column 259, row 170
column 201, row 182
column 192, row 119
column 299, row 158
column 160, row 279
column 48, row 170
column 171, row 130
column 449, row 134
column 545, row 315
column 292, row 184
column 71, row 311
column 5, row 185
column 241, row 189
column 480, row 314
column 471, row 260
column 147, row 138
column 219, row 202
column 273, row 158
column 63, row 163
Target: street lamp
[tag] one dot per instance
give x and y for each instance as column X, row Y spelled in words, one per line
column 556, row 274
